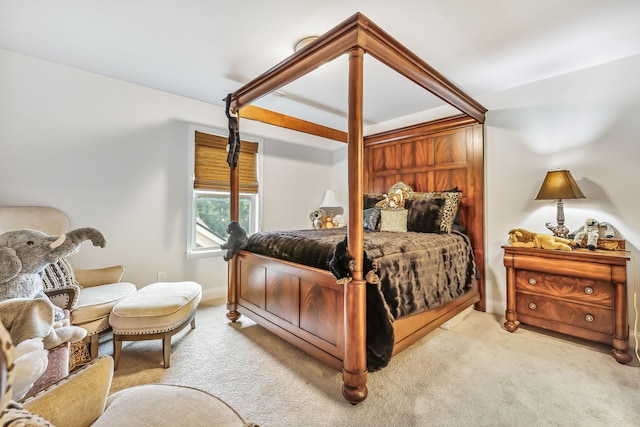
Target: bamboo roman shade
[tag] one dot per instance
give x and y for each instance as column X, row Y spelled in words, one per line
column 212, row 170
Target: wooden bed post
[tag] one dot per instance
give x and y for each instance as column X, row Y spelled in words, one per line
column 354, row 365
column 232, row 267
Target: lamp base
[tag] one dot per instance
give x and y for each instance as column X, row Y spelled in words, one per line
column 559, row 230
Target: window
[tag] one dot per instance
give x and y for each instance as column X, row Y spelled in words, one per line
column 209, row 187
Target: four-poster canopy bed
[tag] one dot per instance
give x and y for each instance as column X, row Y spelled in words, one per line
column 305, row 305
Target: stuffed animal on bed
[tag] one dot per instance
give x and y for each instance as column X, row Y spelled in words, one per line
column 342, row 264
column 316, row 218
column 237, row 240
column 519, row 237
column 591, row 230
column 379, row 320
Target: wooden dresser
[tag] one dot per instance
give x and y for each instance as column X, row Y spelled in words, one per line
column 580, row 293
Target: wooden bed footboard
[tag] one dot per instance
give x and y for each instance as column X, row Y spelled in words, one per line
column 305, row 306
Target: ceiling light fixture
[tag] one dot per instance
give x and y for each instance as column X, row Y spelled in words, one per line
column 304, row 42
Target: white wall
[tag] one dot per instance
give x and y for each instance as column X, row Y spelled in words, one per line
column 113, row 156
column 585, row 122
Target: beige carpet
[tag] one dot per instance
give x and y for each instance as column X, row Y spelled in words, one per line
column 475, row 374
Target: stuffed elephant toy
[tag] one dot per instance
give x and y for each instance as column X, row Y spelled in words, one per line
column 24, row 254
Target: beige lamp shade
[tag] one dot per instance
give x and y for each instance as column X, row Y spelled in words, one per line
column 558, row 185
column 329, row 200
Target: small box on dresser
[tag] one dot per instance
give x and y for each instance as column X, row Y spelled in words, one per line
column 580, row 293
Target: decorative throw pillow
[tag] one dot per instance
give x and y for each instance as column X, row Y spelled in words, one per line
column 80, row 355
column 424, row 214
column 59, row 276
column 393, row 220
column 16, row 416
column 370, row 218
column 449, row 209
column 369, row 200
column 457, row 222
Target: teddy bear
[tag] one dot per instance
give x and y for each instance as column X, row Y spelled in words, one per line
column 522, row 238
column 339, row 221
column 25, row 253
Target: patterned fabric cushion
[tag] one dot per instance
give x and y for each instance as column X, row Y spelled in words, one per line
column 80, row 355
column 370, row 218
column 16, row 416
column 59, row 276
column 393, row 220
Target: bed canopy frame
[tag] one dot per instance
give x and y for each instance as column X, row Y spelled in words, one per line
column 355, row 37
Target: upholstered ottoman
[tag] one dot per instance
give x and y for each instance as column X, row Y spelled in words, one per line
column 168, row 405
column 157, row 311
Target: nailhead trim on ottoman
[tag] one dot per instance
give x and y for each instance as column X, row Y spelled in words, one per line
column 157, row 311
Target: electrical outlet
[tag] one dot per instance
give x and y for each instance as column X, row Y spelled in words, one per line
column 162, row 276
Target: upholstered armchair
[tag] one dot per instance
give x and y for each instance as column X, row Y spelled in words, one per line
column 82, row 399
column 88, row 294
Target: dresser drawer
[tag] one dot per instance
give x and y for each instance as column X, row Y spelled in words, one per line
column 584, row 316
column 570, row 288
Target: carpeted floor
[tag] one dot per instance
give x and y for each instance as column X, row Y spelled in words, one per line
column 475, row 374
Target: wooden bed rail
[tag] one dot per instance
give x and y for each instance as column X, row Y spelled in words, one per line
column 252, row 112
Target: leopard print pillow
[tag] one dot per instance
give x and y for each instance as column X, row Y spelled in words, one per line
column 16, row 416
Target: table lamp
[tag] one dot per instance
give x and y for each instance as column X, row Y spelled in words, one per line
column 330, row 204
column 559, row 185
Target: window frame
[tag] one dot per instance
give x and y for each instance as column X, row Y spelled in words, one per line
column 256, row 207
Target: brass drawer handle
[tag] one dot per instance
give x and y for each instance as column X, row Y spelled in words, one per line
column 588, row 290
column 532, row 305
column 588, row 318
column 532, row 281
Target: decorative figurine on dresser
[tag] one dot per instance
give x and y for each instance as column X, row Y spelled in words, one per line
column 578, row 292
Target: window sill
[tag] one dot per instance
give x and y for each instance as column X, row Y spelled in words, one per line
column 206, row 253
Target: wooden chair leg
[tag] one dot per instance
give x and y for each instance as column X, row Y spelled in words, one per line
column 166, row 349
column 94, row 344
column 117, row 348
